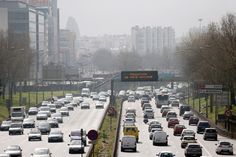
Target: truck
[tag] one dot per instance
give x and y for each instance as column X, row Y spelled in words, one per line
column 17, row 113
column 85, row 92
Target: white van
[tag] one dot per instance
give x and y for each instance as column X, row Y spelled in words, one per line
column 128, row 142
column 85, row 92
column 160, row 137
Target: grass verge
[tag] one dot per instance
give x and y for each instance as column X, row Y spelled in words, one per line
column 107, row 134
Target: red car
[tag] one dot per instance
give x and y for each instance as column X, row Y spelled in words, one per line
column 178, row 129
column 172, row 122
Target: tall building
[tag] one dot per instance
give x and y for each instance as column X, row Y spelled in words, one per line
column 24, row 20
column 73, row 27
column 49, row 7
column 152, row 40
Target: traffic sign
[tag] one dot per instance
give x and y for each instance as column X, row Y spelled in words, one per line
column 228, row 113
column 211, row 86
column 210, row 91
column 137, row 76
column 92, row 135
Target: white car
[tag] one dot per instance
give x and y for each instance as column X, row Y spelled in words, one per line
column 85, row 105
column 129, row 120
column 55, row 136
column 34, row 134
column 102, row 98
column 128, row 142
column 14, row 150
column 224, row 147
column 33, row 111
column 64, row 111
column 41, row 152
column 149, row 112
column 130, row 115
column 160, row 137
column 99, row 104
column 166, row 154
column 58, row 117
column 187, row 132
column 42, row 115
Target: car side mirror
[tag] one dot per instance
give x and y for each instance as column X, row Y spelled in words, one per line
column 119, row 140
column 68, row 144
column 157, row 154
column 216, row 144
column 69, row 135
column 167, row 135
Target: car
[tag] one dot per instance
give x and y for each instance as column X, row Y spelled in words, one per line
column 144, row 100
column 5, row 125
column 186, row 140
column 44, row 127
column 55, row 136
column 193, row 149
column 164, row 107
column 59, row 104
column 128, row 142
column 149, row 113
column 153, row 122
column 46, row 110
column 160, row 137
column 187, row 132
column 70, row 107
column 33, row 111
column 64, row 111
column 164, row 112
column 52, row 108
column 187, row 115
column 175, row 103
column 28, row 123
column 154, row 125
column 74, row 103
column 202, row 125
column 172, row 122
column 165, row 154
column 14, row 151
column 131, row 98
column 45, row 103
column 99, row 104
column 34, row 134
column 130, row 115
column 131, row 110
column 178, row 128
column 58, row 117
column 85, row 105
column 4, row 155
column 41, row 152
column 95, row 97
column 92, row 94
column 153, row 130
column 76, row 146
column 146, row 105
column 210, row 133
column 193, row 120
column 183, row 108
column 171, row 114
column 224, row 147
column 53, row 122
column 79, row 134
column 129, row 120
column 16, row 128
column 42, row 115
column 102, row 98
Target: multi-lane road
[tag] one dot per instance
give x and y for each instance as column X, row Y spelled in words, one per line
column 86, row 119
column 145, row 147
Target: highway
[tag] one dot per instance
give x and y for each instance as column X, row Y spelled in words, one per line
column 87, row 119
column 145, row 147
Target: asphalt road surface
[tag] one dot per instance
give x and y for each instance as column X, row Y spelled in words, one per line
column 145, row 147
column 87, row 119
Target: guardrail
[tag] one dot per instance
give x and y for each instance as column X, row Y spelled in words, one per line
column 115, row 146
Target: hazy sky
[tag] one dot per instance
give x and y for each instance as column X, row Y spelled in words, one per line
column 98, row 17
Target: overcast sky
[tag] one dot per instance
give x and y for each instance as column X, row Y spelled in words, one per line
column 98, row 17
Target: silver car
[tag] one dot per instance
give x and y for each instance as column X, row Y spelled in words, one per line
column 76, row 146
column 224, row 148
column 58, row 117
column 34, row 134
column 41, row 152
column 85, row 105
column 55, row 136
column 42, row 115
column 64, row 111
column 14, row 150
column 16, row 128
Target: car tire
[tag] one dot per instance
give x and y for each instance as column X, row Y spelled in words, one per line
column 40, row 139
column 154, row 144
column 29, row 139
column 135, row 149
column 166, row 143
column 122, row 149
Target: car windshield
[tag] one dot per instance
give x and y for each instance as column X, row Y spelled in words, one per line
column 204, row 124
column 166, row 155
column 163, row 97
column 225, row 143
column 76, row 142
column 211, row 131
column 189, row 138
column 13, row 147
column 55, row 132
column 16, row 125
column 17, row 114
column 77, row 133
column 34, row 131
column 194, row 146
column 41, row 151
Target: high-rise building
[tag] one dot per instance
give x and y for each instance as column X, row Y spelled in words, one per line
column 24, row 20
column 49, row 7
column 152, row 40
column 73, row 27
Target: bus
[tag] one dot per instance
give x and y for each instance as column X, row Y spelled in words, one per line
column 161, row 99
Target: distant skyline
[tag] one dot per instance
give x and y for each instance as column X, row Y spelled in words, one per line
column 99, row 17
